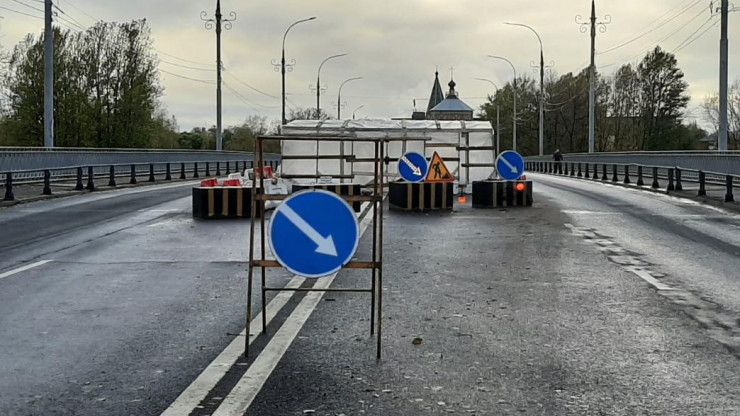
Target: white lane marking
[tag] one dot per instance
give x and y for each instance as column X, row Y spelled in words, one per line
column 650, row 279
column 238, row 401
column 191, row 397
column 24, row 268
column 241, row 397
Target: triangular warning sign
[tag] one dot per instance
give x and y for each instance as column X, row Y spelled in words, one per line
column 438, row 172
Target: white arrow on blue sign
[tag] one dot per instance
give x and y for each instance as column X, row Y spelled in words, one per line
column 510, row 165
column 413, row 167
column 314, row 233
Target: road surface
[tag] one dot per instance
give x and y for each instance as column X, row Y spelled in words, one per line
column 598, row 300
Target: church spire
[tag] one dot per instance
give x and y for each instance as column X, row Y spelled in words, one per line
column 437, row 95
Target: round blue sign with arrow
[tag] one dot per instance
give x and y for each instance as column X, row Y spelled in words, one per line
column 314, row 233
column 413, row 167
column 510, row 165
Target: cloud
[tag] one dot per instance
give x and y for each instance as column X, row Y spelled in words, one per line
column 395, row 45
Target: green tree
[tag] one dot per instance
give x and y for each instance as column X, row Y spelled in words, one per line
column 663, row 99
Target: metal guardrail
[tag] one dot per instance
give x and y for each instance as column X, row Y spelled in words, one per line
column 708, row 161
column 675, row 176
column 34, row 158
column 130, row 170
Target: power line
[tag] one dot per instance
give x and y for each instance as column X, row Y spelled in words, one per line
column 23, row 13
column 671, row 34
column 78, row 24
column 181, row 59
column 249, row 86
column 642, row 35
column 247, row 99
column 79, row 10
column 186, row 66
column 697, row 37
column 203, row 81
column 28, row 5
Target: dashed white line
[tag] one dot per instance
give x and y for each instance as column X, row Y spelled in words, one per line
column 24, row 268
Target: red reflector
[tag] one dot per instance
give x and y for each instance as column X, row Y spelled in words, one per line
column 462, row 199
column 521, row 187
column 208, row 183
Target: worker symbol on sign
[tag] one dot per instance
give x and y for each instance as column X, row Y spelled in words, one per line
column 438, row 171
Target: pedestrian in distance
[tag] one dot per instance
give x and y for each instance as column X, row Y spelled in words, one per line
column 558, row 157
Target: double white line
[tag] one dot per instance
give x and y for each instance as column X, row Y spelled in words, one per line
column 242, row 395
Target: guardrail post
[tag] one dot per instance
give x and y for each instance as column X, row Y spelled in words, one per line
column 47, row 183
column 90, row 182
column 596, row 172
column 9, row 187
column 656, row 184
column 195, row 170
column 729, row 197
column 671, row 186
column 208, row 169
column 218, row 168
column 702, row 183
column 133, row 175
column 560, row 167
column 585, row 173
column 615, row 178
column 228, row 168
column 679, row 185
column 627, row 174
column 548, row 168
column 604, row 175
column 245, row 167
column 182, row 171
column 251, row 164
column 112, row 178
column 580, row 170
column 572, row 169
column 168, row 175
column 151, row 172
column 564, row 169
column 79, row 185
column 640, row 181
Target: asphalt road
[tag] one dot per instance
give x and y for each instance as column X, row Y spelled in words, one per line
column 598, row 300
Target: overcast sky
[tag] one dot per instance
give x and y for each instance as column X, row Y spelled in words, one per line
column 394, row 44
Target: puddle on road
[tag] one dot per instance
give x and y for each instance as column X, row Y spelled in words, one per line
column 720, row 324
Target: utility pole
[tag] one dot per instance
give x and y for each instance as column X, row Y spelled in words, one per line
column 48, row 75
column 218, row 22
column 723, row 64
column 592, row 71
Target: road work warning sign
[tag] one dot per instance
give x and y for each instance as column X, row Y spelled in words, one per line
column 438, row 172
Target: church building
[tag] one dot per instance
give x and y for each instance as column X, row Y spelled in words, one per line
column 441, row 107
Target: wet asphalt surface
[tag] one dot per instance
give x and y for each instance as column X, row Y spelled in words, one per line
column 523, row 311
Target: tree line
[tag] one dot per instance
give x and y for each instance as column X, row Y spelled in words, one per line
column 638, row 108
column 107, row 94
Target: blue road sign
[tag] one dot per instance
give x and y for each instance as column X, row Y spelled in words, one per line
column 510, row 165
column 413, row 167
column 314, row 233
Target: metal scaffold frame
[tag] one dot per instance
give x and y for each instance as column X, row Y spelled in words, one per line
column 259, row 200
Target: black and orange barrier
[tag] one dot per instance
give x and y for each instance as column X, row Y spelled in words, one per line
column 421, row 196
column 500, row 194
column 222, row 202
column 345, row 189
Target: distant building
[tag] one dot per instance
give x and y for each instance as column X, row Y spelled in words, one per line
column 442, row 107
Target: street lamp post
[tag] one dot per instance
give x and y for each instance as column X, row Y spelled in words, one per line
column 356, row 110
column 318, row 84
column 542, row 86
column 515, row 94
column 498, row 108
column 288, row 67
column 339, row 96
